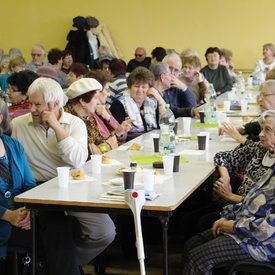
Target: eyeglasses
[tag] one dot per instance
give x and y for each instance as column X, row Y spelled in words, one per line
column 139, row 55
column 213, row 55
column 172, row 69
column 263, row 96
column 12, row 90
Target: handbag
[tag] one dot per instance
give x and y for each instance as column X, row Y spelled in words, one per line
column 110, row 143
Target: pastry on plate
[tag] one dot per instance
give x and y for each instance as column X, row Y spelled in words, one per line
column 77, row 175
column 246, row 118
column 135, row 146
column 106, row 159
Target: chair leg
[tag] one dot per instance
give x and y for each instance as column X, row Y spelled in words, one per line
column 100, row 263
column 15, row 263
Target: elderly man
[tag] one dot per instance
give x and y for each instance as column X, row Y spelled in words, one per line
column 163, row 79
column 38, row 54
column 178, row 94
column 140, row 60
column 52, row 138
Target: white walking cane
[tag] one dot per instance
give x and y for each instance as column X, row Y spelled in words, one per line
column 135, row 200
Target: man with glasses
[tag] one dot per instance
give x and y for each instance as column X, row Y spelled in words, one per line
column 38, row 54
column 163, row 78
column 141, row 60
column 266, row 102
column 178, row 94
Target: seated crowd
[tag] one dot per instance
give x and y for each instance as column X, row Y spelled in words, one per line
column 59, row 112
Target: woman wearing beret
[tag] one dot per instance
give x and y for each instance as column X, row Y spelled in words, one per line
column 84, row 99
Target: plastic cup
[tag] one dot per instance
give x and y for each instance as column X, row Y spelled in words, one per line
column 250, row 81
column 148, row 178
column 168, row 164
column 227, row 104
column 201, row 116
column 155, row 144
column 186, row 125
column 63, row 174
column 176, row 162
column 244, row 105
column 207, row 134
column 128, row 178
column 201, row 141
column 96, row 163
column 176, row 127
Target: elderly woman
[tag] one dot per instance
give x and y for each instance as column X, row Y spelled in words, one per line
column 266, row 101
column 67, row 57
column 17, row 64
column 193, row 79
column 17, row 92
column 105, row 120
column 4, row 64
column 215, row 73
column 55, row 58
column 136, row 105
column 84, row 100
column 226, row 60
column 252, row 160
column 77, row 71
column 118, row 85
column 245, row 230
column 268, row 62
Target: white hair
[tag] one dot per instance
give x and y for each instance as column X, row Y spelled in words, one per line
column 39, row 47
column 51, row 90
column 171, row 56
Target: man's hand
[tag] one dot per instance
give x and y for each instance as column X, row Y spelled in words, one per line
column 49, row 118
column 175, row 82
column 101, row 111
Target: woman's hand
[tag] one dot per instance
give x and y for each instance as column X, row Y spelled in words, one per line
column 124, row 127
column 222, row 225
column 101, row 111
column 232, row 131
column 198, row 76
column 19, row 217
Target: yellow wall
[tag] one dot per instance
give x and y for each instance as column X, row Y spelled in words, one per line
column 240, row 25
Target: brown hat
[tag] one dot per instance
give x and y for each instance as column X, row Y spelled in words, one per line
column 48, row 71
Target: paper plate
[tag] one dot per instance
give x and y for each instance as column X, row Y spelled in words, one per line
column 181, row 140
column 117, row 181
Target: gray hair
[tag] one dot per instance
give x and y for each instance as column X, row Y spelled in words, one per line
column 39, row 47
column 187, row 51
column 158, row 68
column 171, row 56
column 266, row 114
column 51, row 90
column 269, row 84
column 104, row 48
column 4, row 58
column 5, row 127
column 15, row 51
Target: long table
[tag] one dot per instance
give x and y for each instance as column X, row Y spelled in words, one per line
column 84, row 196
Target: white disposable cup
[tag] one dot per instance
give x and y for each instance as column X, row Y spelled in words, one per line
column 223, row 118
column 96, row 163
column 244, row 105
column 148, row 178
column 226, row 104
column 168, row 164
column 186, row 121
column 207, row 134
column 152, row 136
column 218, row 115
column 250, row 81
column 63, row 174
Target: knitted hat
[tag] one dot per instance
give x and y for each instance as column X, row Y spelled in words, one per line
column 92, row 22
column 79, row 22
column 47, row 71
column 108, row 57
column 82, row 86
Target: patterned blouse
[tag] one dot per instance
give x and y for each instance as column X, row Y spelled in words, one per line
column 254, row 217
column 247, row 159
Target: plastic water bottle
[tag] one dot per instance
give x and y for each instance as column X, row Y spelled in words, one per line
column 166, row 140
column 167, row 135
column 210, row 106
column 240, row 84
column 256, row 75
